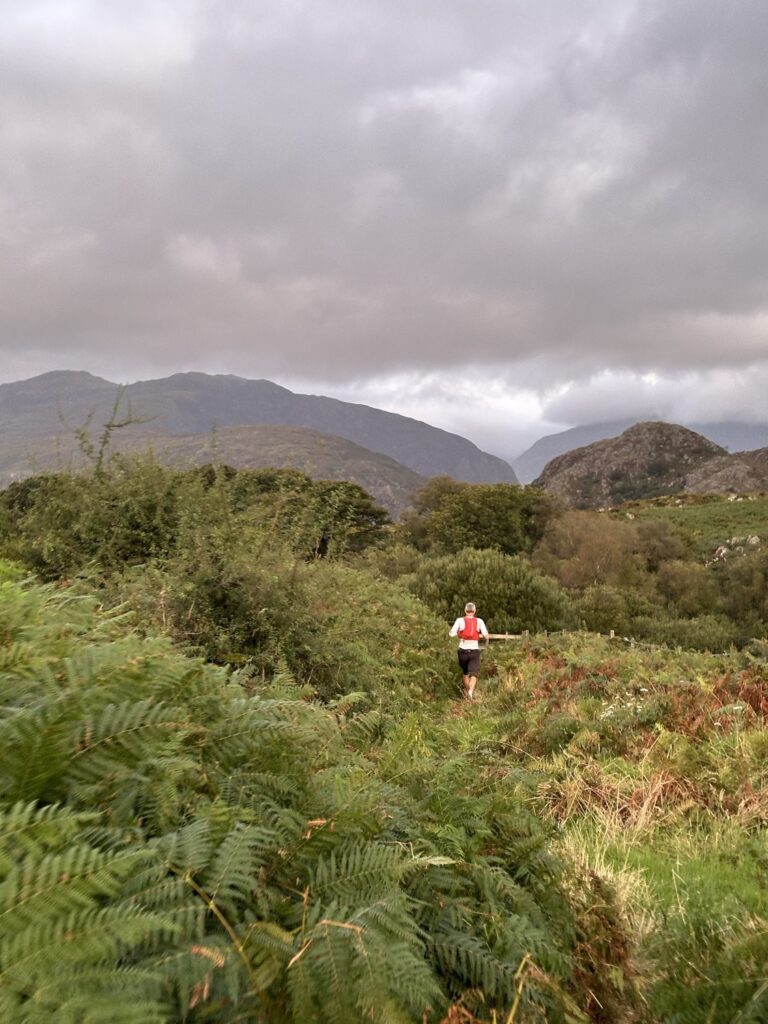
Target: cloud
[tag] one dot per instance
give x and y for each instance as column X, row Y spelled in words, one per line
column 357, row 192
column 703, row 396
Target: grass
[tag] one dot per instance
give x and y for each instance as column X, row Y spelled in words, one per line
column 708, row 520
column 652, row 766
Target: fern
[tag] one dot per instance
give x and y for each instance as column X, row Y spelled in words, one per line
column 27, row 830
column 212, row 854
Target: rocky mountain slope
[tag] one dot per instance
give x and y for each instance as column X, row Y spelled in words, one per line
column 647, row 460
column 321, row 456
column 191, row 404
column 736, row 437
column 743, row 472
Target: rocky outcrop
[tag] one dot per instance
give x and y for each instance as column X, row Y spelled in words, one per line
column 741, row 473
column 646, row 461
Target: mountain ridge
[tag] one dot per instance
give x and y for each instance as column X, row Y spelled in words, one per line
column 186, row 404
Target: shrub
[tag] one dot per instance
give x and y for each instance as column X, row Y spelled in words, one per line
column 582, row 549
column 510, row 595
column 602, row 609
column 451, row 516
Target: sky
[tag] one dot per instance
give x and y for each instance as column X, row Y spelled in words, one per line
column 503, row 217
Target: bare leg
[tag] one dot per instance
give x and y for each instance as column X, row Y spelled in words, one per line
column 470, row 684
column 466, row 687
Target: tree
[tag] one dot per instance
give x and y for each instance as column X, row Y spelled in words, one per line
column 583, row 549
column 509, row 593
column 453, row 516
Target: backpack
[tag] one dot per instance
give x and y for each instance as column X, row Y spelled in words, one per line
column 470, row 630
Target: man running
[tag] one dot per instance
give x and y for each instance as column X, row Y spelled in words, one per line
column 469, row 629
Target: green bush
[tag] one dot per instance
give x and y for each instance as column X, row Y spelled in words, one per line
column 450, row 516
column 135, row 510
column 703, row 633
column 604, row 608
column 510, row 595
column 239, row 597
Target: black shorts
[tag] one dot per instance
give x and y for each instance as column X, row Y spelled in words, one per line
column 469, row 661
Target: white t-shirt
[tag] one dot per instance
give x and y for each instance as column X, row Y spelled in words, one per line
column 468, row 645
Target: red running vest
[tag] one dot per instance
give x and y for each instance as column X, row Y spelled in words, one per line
column 470, row 630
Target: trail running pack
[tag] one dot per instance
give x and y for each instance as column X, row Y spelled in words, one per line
column 470, row 630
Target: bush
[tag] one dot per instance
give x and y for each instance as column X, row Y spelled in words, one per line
column 510, row 595
column 450, row 516
column 135, row 510
column 703, row 633
column 239, row 597
column 602, row 609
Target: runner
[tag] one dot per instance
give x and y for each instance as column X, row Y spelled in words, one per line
column 469, row 629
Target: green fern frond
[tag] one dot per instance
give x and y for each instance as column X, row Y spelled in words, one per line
column 362, row 731
column 35, row 741
column 128, row 726
column 27, row 829
column 468, row 963
column 240, row 785
column 360, row 871
column 89, row 936
column 187, row 850
column 232, row 874
column 61, row 883
column 344, row 704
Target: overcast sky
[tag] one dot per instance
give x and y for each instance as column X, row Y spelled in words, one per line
column 501, row 216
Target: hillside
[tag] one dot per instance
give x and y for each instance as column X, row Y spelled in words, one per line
column 601, row 805
column 742, row 472
column 647, row 460
column 709, row 522
column 736, row 437
column 33, row 413
column 320, row 456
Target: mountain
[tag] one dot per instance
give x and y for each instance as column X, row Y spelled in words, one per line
column 320, row 456
column 192, row 404
column 741, row 473
column 645, row 461
column 532, row 461
column 735, row 437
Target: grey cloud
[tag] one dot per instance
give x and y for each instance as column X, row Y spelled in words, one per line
column 708, row 396
column 358, row 189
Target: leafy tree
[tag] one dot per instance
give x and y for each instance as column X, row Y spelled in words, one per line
column 743, row 583
column 451, row 516
column 604, row 608
column 582, row 549
column 688, row 586
column 509, row 593
column 659, row 542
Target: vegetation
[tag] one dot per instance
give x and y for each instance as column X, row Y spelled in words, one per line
column 237, row 783
column 708, row 521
